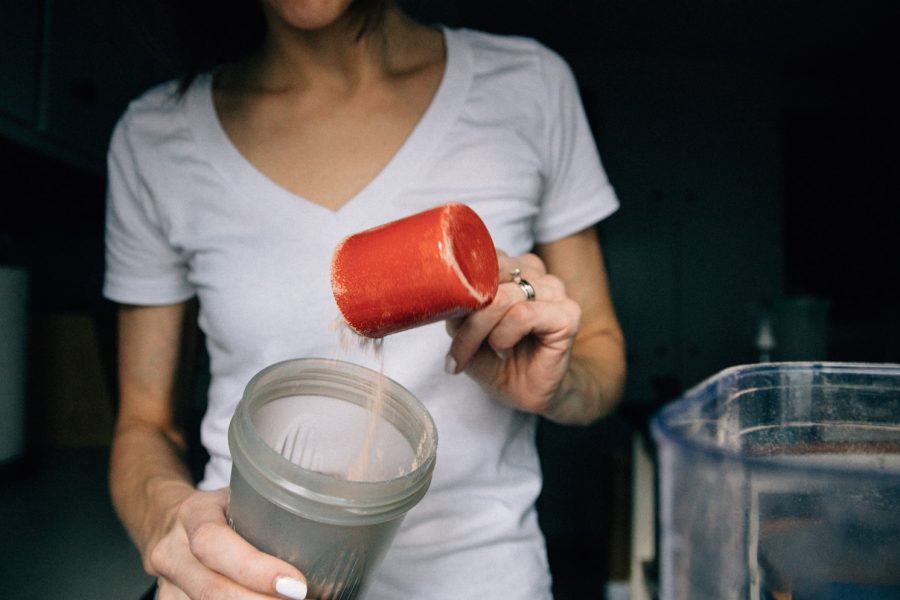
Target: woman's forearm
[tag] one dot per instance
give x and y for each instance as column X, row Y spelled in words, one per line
column 595, row 379
column 148, row 481
column 148, row 474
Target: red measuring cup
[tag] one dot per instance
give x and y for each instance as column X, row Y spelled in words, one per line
column 433, row 265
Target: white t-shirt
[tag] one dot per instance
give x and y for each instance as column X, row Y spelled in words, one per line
column 189, row 215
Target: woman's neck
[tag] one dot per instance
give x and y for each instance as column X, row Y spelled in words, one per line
column 337, row 55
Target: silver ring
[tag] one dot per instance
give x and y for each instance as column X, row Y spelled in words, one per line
column 526, row 288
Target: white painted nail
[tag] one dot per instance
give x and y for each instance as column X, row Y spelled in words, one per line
column 295, row 589
column 450, row 365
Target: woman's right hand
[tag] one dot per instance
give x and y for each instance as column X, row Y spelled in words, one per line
column 183, row 534
column 201, row 557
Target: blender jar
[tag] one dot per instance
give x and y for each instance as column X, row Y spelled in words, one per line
column 782, row 481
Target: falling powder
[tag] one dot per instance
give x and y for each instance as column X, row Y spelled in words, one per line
column 361, row 467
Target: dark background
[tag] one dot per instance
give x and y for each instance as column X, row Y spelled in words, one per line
column 753, row 144
column 823, row 70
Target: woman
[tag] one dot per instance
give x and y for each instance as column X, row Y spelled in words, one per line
column 236, row 188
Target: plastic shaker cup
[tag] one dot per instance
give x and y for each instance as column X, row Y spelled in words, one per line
column 434, row 265
column 319, row 483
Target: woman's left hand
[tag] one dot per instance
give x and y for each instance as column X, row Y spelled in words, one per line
column 520, row 345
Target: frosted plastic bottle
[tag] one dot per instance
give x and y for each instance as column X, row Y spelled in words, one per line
column 313, row 482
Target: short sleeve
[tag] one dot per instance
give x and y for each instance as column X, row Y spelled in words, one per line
column 142, row 267
column 577, row 191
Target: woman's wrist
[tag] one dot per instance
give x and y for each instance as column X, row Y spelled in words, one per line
column 582, row 397
column 165, row 497
column 570, row 403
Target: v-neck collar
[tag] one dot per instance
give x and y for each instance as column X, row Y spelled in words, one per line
column 442, row 111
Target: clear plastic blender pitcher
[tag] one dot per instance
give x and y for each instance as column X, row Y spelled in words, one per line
column 782, row 481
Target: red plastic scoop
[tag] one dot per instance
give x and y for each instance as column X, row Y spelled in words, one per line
column 434, row 265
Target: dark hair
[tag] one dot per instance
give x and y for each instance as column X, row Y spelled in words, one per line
column 209, row 33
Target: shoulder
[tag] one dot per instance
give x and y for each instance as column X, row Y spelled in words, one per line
column 523, row 54
column 159, row 101
column 155, row 119
column 520, row 76
column 161, row 109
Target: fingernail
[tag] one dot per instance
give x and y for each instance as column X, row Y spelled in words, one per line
column 450, row 365
column 501, row 354
column 295, row 589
